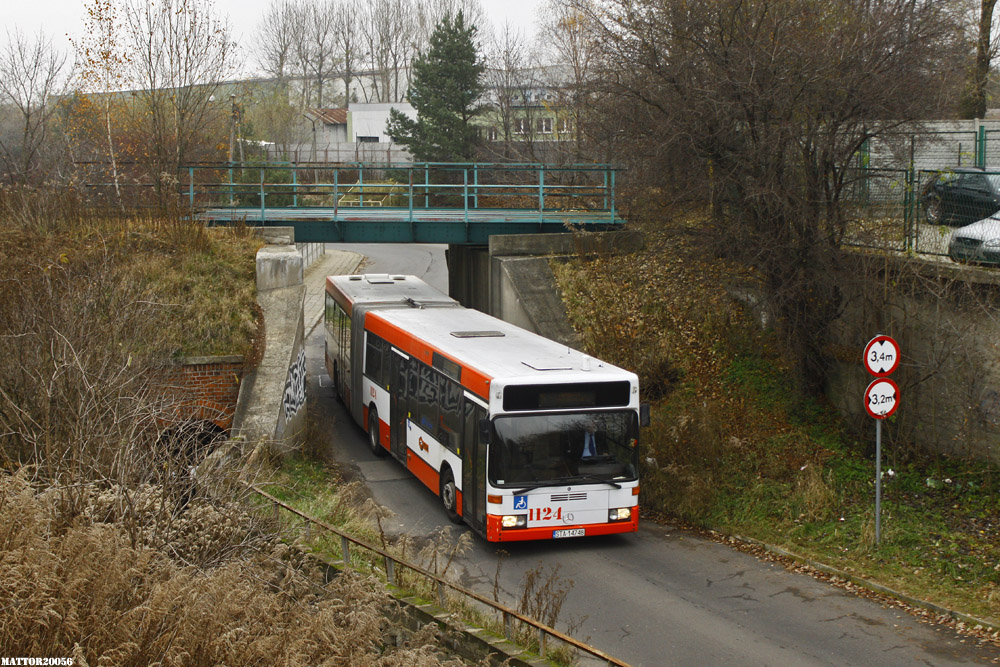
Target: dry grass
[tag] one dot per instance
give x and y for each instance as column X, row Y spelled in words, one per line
column 74, row 585
column 90, row 307
column 316, row 489
column 107, row 553
column 197, row 284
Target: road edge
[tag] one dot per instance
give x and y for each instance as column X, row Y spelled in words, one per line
column 964, row 621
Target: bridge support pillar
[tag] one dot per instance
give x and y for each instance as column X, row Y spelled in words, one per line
column 469, row 275
column 512, row 279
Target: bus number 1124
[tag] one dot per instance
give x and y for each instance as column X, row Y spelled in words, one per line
column 544, row 514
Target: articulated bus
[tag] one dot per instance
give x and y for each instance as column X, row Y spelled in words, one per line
column 522, row 438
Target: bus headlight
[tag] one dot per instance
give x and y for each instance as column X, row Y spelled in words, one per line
column 620, row 514
column 514, row 520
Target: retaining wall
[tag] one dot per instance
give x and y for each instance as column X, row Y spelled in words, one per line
column 512, row 279
column 944, row 319
column 271, row 405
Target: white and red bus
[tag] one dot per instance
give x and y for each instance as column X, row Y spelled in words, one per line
column 521, row 437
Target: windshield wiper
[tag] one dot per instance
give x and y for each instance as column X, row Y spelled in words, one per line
column 594, row 478
column 532, row 487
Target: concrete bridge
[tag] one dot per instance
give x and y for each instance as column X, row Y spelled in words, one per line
column 457, row 204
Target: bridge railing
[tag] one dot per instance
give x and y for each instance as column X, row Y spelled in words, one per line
column 412, row 186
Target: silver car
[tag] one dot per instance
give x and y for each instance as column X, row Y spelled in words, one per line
column 978, row 242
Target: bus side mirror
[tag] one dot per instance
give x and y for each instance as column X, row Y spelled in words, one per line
column 644, row 414
column 484, row 431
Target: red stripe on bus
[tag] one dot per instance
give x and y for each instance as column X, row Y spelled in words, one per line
column 473, row 380
column 496, row 533
column 383, row 428
column 383, row 434
column 423, row 471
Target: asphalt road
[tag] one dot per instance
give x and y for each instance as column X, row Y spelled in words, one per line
column 661, row 596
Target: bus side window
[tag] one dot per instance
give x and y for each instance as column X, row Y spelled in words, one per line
column 451, row 414
column 374, row 347
column 332, row 330
column 428, row 400
column 329, row 312
column 344, row 334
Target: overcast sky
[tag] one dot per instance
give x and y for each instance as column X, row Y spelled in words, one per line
column 62, row 18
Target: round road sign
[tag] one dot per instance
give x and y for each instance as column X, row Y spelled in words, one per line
column 881, row 398
column 881, row 356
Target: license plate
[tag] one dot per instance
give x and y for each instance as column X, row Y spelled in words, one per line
column 569, row 532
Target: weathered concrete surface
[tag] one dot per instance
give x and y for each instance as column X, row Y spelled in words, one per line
column 277, row 235
column 530, row 299
column 512, row 279
column 311, row 252
column 944, row 318
column 271, row 407
column 586, row 243
column 278, row 266
column 271, row 404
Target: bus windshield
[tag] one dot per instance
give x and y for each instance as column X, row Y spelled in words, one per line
column 582, row 447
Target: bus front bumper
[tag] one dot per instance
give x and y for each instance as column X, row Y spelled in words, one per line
column 496, row 533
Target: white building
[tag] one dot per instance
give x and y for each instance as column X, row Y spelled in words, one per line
column 366, row 122
column 348, row 135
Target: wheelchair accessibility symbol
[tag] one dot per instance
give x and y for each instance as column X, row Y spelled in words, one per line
column 520, row 502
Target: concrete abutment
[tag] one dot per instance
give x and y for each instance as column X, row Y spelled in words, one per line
column 512, row 279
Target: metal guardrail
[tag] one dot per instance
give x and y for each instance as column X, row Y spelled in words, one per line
column 533, row 186
column 391, row 562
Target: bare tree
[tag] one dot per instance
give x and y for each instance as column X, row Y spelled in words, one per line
column 275, row 39
column 388, row 32
column 320, row 44
column 763, row 105
column 508, row 84
column 102, row 66
column 275, row 119
column 31, row 74
column 348, row 43
column 974, row 104
column 181, row 52
column 300, row 29
column 571, row 51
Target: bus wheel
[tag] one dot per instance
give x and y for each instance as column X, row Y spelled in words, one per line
column 376, row 446
column 449, row 496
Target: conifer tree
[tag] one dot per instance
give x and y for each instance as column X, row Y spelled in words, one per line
column 445, row 91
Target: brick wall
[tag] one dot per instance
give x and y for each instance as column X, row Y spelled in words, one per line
column 204, row 388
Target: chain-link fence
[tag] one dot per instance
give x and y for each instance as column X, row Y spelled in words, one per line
column 931, row 193
column 874, row 204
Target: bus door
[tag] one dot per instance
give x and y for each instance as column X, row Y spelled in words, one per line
column 473, row 467
column 397, row 404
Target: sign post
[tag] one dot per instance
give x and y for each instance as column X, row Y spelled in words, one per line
column 881, row 400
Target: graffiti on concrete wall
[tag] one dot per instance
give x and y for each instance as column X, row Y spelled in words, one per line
column 295, row 386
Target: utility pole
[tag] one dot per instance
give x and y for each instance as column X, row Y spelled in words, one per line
column 232, row 126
